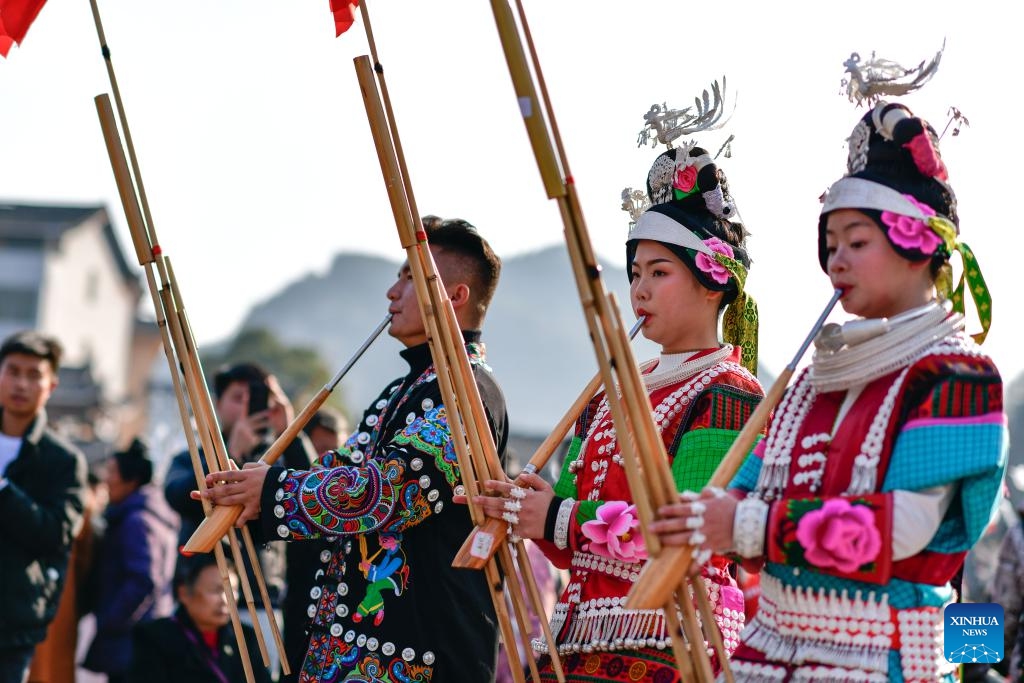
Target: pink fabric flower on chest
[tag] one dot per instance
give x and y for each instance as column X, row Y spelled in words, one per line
column 839, row 535
column 709, row 265
column 615, row 534
column 912, row 233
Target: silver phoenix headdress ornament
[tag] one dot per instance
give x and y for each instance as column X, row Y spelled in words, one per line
column 876, row 78
column 664, row 125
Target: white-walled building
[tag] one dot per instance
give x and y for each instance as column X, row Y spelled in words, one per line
column 63, row 272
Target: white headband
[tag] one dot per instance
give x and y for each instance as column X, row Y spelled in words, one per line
column 656, row 226
column 858, row 193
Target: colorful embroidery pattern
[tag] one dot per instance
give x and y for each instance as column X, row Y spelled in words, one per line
column 429, row 434
column 357, row 664
column 341, row 500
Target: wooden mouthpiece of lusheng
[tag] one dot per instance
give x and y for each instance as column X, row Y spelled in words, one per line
column 481, row 544
column 213, row 528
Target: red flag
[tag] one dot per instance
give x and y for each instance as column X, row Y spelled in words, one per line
column 344, row 14
column 15, row 18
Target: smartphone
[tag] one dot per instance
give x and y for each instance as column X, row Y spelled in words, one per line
column 259, row 397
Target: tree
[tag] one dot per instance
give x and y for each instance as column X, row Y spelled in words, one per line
column 300, row 369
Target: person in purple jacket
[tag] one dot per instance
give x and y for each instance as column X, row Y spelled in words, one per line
column 136, row 564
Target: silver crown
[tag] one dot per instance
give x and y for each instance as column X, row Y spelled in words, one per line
column 876, row 78
column 664, row 125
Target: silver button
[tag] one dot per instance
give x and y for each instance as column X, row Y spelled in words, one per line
column 279, row 511
column 372, row 420
column 315, row 593
column 424, row 482
column 408, row 654
column 460, row 490
column 427, row 404
column 325, row 555
column 371, row 644
column 391, row 391
column 282, row 476
column 341, row 610
column 356, row 457
column 410, row 418
column 350, row 636
column 342, row 589
column 438, row 507
column 336, row 630
column 433, row 495
column 388, row 649
column 428, row 657
column 282, row 531
column 361, row 640
column 416, row 464
column 363, row 438
column 381, row 404
column 319, row 573
column 279, row 495
column 311, row 611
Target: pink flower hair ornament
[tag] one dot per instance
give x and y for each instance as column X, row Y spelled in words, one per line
column 684, row 183
column 615, row 533
column 909, row 232
column 714, row 268
column 839, row 536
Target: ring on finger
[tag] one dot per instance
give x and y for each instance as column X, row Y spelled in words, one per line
column 695, row 522
column 510, row 517
column 697, row 538
column 701, row 556
column 517, row 492
column 513, row 505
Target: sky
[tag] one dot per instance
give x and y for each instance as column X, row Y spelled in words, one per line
column 259, row 165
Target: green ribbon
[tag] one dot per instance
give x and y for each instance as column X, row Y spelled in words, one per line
column 978, row 289
column 740, row 322
column 945, row 229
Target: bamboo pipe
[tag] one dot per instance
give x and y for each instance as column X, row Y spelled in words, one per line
column 659, row 577
column 223, row 517
column 431, row 309
column 209, row 433
column 587, row 275
column 144, row 253
column 197, row 469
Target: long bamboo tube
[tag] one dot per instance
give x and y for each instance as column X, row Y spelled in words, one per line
column 642, row 449
column 144, row 249
column 660, row 577
column 197, row 469
column 474, row 444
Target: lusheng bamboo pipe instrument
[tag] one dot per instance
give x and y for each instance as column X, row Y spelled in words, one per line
column 154, row 264
column 660, row 577
column 644, row 456
column 474, row 445
column 223, row 517
column 472, row 554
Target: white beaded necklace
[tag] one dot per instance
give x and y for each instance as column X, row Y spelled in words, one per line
column 795, row 406
column 908, row 335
